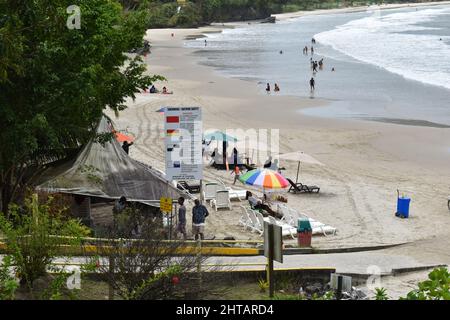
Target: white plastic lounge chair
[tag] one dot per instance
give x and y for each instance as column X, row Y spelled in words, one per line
column 287, row 215
column 245, row 220
column 209, row 191
column 260, row 220
column 222, row 200
column 287, row 230
column 291, row 216
column 235, row 194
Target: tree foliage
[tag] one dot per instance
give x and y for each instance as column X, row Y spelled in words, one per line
column 139, row 264
column 55, row 81
column 437, row 287
column 193, row 13
column 34, row 235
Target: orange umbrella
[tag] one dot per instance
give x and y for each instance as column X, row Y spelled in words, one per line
column 122, row 137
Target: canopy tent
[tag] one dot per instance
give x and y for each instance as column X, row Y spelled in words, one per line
column 300, row 157
column 106, row 171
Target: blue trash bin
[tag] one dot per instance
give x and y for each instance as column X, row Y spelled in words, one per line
column 403, row 207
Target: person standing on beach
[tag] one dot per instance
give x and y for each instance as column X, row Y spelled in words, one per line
column 268, row 88
column 312, row 84
column 237, row 174
column 312, row 50
column 126, row 146
column 199, row 214
column 181, row 227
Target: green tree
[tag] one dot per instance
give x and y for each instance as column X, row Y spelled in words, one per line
column 55, row 81
column 437, row 287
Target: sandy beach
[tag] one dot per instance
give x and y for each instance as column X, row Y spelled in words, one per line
column 365, row 162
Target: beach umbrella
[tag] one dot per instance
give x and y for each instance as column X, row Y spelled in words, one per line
column 300, row 157
column 265, row 178
column 123, row 137
column 219, row 136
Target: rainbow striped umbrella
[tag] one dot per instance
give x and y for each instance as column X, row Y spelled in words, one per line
column 268, row 179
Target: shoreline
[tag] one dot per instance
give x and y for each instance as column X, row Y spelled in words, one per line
column 298, row 14
column 365, row 162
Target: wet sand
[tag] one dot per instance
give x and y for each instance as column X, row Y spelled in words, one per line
column 366, row 162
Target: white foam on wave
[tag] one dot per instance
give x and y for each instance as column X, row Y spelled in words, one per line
column 389, row 42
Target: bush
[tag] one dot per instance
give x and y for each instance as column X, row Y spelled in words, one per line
column 437, row 287
column 34, row 235
column 8, row 283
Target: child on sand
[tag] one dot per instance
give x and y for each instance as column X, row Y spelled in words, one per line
column 237, row 174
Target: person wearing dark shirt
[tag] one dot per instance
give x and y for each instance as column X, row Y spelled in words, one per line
column 258, row 204
column 268, row 162
column 126, row 146
column 181, row 227
column 199, row 214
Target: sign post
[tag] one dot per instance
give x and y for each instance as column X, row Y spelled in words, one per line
column 183, row 143
column 273, row 250
column 166, row 207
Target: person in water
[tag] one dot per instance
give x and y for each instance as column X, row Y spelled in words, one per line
column 312, row 84
column 277, row 88
column 268, row 88
column 281, row 51
column 312, row 50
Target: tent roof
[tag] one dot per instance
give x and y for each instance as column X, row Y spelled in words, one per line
column 106, row 171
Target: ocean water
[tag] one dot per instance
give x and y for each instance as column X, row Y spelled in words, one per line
column 391, row 65
column 415, row 45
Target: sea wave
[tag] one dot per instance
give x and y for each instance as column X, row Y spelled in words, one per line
column 403, row 43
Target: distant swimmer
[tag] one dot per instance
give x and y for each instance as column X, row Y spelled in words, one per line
column 312, row 84
column 312, row 50
column 333, row 70
column 281, row 51
column 268, row 88
column 313, row 41
column 276, row 88
column 206, row 43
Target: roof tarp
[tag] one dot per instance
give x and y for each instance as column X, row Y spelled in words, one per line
column 106, row 171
